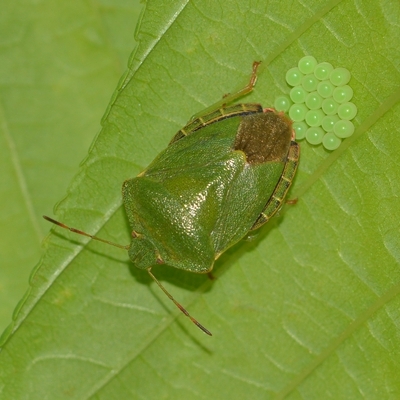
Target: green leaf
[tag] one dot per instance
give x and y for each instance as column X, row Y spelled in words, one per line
column 309, row 309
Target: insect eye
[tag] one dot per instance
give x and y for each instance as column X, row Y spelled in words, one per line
column 159, row 260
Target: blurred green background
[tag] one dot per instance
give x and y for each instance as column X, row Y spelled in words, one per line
column 59, row 64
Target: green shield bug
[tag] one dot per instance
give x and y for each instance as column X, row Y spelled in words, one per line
column 224, row 174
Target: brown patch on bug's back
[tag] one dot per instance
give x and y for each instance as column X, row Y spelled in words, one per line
column 264, row 137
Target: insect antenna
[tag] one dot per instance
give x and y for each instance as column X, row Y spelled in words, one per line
column 197, row 323
column 53, row 221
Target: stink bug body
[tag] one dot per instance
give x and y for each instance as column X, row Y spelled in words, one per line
column 223, row 175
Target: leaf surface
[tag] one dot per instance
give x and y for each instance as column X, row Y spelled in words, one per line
column 309, row 309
